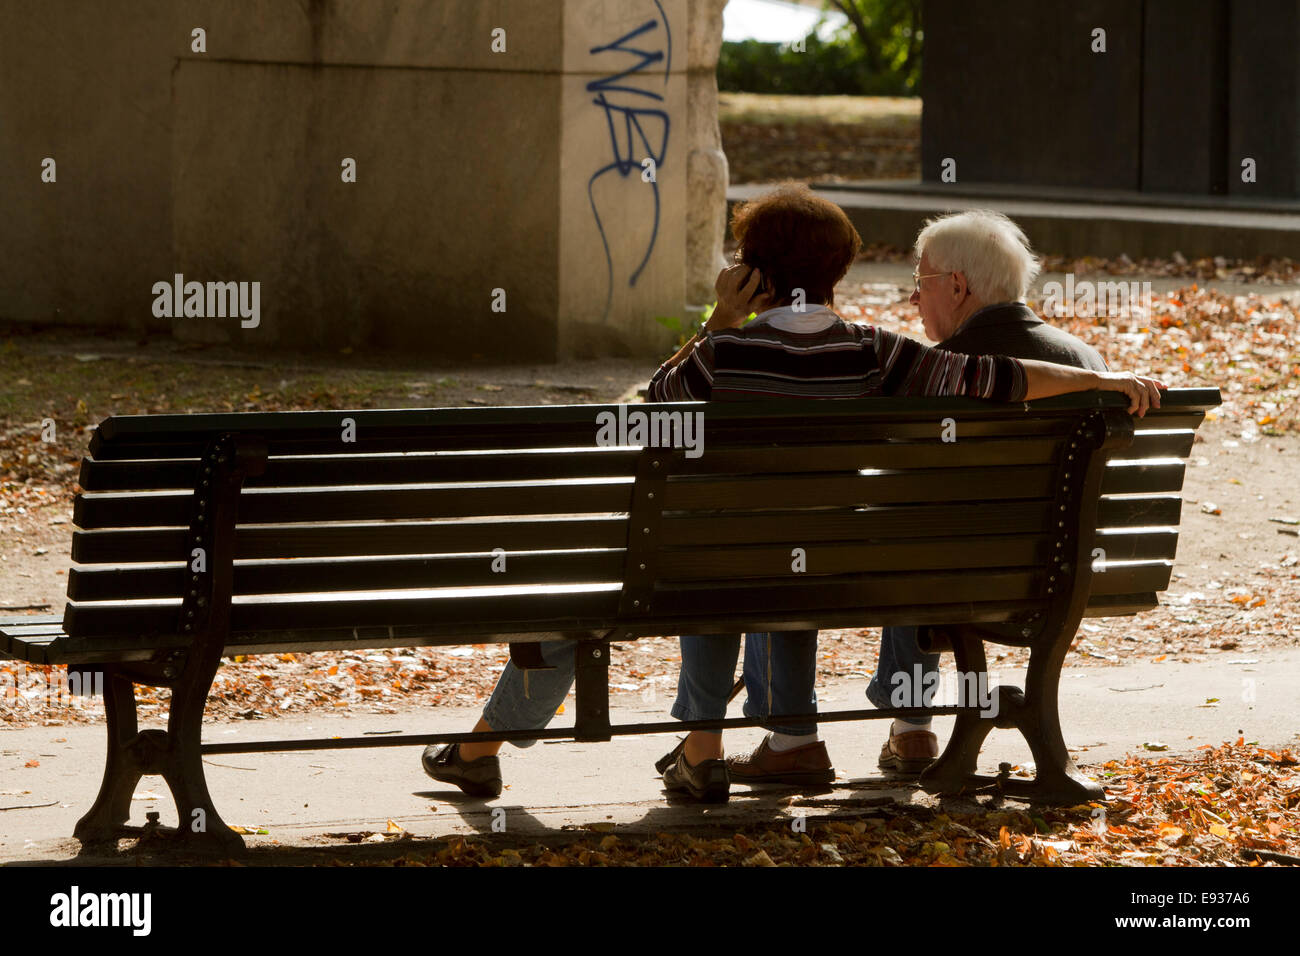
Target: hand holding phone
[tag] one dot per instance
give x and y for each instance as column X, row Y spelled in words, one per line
column 736, row 286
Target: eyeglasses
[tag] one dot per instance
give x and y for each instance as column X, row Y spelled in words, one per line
column 916, row 279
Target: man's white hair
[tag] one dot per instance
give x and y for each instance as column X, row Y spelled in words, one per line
column 987, row 247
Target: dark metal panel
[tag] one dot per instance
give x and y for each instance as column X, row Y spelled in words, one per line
column 1185, row 96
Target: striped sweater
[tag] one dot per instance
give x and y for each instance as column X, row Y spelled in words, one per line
column 816, row 354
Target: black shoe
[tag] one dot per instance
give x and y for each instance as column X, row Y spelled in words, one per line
column 707, row 781
column 478, row 778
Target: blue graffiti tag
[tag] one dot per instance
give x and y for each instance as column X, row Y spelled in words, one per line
column 627, row 159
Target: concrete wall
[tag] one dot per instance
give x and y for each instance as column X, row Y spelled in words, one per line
column 622, row 223
column 477, row 170
column 95, row 98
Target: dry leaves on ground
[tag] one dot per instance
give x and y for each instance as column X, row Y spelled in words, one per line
column 1232, row 805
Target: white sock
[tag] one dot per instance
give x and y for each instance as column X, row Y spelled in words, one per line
column 903, row 727
column 782, row 742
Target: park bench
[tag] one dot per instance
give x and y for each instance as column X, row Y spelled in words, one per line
column 199, row 536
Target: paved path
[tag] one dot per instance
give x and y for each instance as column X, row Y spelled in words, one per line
column 300, row 796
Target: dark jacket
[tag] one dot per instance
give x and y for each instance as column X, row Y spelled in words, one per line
column 1012, row 329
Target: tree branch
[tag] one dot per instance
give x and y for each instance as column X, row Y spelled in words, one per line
column 850, row 9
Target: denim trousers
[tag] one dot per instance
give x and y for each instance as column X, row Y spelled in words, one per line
column 528, row 699
column 900, row 654
column 780, row 671
column 780, row 674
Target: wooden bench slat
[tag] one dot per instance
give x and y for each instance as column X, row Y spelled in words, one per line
column 49, row 625
column 1148, row 510
column 414, row 468
column 822, row 490
column 1142, row 477
column 127, row 582
column 853, row 524
column 322, row 541
column 852, row 456
column 1132, row 578
column 1169, row 417
column 524, row 465
column 1175, row 443
column 32, row 649
column 136, row 427
column 1124, row 544
column 922, row 589
column 1109, row 605
column 718, row 434
column 396, row 503
column 415, row 608
column 135, row 647
column 855, row 557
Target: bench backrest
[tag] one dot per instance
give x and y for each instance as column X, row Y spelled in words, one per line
column 381, row 528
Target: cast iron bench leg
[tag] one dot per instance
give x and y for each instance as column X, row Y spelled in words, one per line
column 1057, row 779
column 174, row 753
column 1033, row 712
column 951, row 773
column 122, row 766
column 201, row 827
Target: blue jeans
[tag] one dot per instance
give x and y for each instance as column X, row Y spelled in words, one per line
column 528, row 699
column 900, row 654
column 780, row 671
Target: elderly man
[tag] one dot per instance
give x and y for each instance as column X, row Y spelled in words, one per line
column 973, row 271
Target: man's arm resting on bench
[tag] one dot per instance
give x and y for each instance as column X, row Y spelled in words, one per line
column 1045, row 379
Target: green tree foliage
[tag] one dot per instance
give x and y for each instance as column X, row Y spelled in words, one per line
column 877, row 54
column 889, row 35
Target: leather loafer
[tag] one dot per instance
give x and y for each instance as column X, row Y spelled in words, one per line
column 909, row 753
column 478, row 778
column 707, row 781
column 806, row 766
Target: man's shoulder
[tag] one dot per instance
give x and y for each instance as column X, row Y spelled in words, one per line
column 1016, row 331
